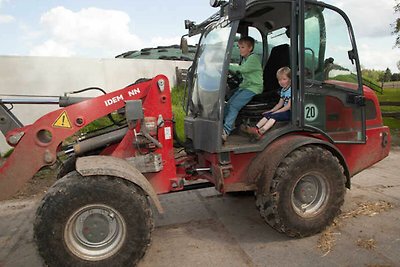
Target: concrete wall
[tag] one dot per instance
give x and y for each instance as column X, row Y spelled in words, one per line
column 54, row 76
column 395, row 84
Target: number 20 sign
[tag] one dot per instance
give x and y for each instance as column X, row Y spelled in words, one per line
column 310, row 112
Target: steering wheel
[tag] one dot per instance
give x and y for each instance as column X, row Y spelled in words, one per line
column 233, row 80
column 232, row 83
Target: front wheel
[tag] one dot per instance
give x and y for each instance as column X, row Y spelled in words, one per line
column 87, row 221
column 306, row 192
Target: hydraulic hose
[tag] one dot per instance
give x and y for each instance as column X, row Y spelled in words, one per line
column 96, row 142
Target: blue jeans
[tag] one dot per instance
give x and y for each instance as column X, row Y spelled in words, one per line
column 237, row 101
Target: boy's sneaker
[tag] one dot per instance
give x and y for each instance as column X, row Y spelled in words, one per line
column 243, row 128
column 224, row 136
column 254, row 133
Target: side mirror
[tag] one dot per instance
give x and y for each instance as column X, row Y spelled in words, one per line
column 352, row 55
column 189, row 24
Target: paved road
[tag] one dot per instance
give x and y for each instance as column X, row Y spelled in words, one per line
column 204, row 228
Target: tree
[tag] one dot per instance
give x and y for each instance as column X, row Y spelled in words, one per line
column 396, row 29
column 387, row 75
column 374, row 75
column 396, row 25
column 395, row 77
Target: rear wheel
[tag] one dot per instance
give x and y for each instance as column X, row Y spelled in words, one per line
column 306, row 192
column 87, row 221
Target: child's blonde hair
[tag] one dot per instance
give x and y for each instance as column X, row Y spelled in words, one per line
column 284, row 71
column 249, row 41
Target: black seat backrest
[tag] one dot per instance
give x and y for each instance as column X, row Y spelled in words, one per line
column 278, row 58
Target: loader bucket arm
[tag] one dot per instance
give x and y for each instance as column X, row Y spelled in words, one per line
column 39, row 142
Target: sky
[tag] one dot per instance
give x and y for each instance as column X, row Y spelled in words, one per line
column 104, row 28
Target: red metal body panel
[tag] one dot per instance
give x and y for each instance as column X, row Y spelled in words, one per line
column 377, row 146
column 21, row 166
column 361, row 156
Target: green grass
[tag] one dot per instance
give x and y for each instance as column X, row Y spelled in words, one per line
column 346, row 78
column 391, row 94
column 177, row 95
column 351, row 78
column 94, row 126
column 390, row 108
column 101, row 123
column 392, row 123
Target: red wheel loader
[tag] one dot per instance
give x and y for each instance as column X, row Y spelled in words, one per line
column 99, row 210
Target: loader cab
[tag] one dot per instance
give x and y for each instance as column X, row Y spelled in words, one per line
column 318, row 45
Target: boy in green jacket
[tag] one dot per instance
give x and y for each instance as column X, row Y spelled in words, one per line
column 252, row 84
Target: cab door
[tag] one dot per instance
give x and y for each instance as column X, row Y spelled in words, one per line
column 331, row 93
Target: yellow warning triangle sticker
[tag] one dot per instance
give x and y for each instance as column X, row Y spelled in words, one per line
column 62, row 121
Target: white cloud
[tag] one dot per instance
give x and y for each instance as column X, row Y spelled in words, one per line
column 370, row 18
column 95, row 32
column 90, row 29
column 6, row 19
column 375, row 55
column 52, row 48
column 372, row 23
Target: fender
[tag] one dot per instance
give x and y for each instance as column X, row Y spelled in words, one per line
column 112, row 166
column 262, row 168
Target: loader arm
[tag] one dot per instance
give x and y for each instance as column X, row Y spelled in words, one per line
column 36, row 145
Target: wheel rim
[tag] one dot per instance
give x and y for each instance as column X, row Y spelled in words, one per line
column 95, row 232
column 310, row 194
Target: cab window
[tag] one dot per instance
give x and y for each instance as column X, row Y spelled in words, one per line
column 258, row 45
column 327, row 47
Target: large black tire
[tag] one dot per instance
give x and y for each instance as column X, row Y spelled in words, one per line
column 306, row 193
column 93, row 221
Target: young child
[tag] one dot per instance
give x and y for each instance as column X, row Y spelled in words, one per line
column 281, row 111
column 252, row 84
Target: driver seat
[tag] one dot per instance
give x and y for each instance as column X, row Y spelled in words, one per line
column 278, row 58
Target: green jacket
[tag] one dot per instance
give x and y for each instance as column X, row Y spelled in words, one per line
column 252, row 73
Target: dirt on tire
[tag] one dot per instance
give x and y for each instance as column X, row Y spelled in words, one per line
column 71, row 219
column 280, row 211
